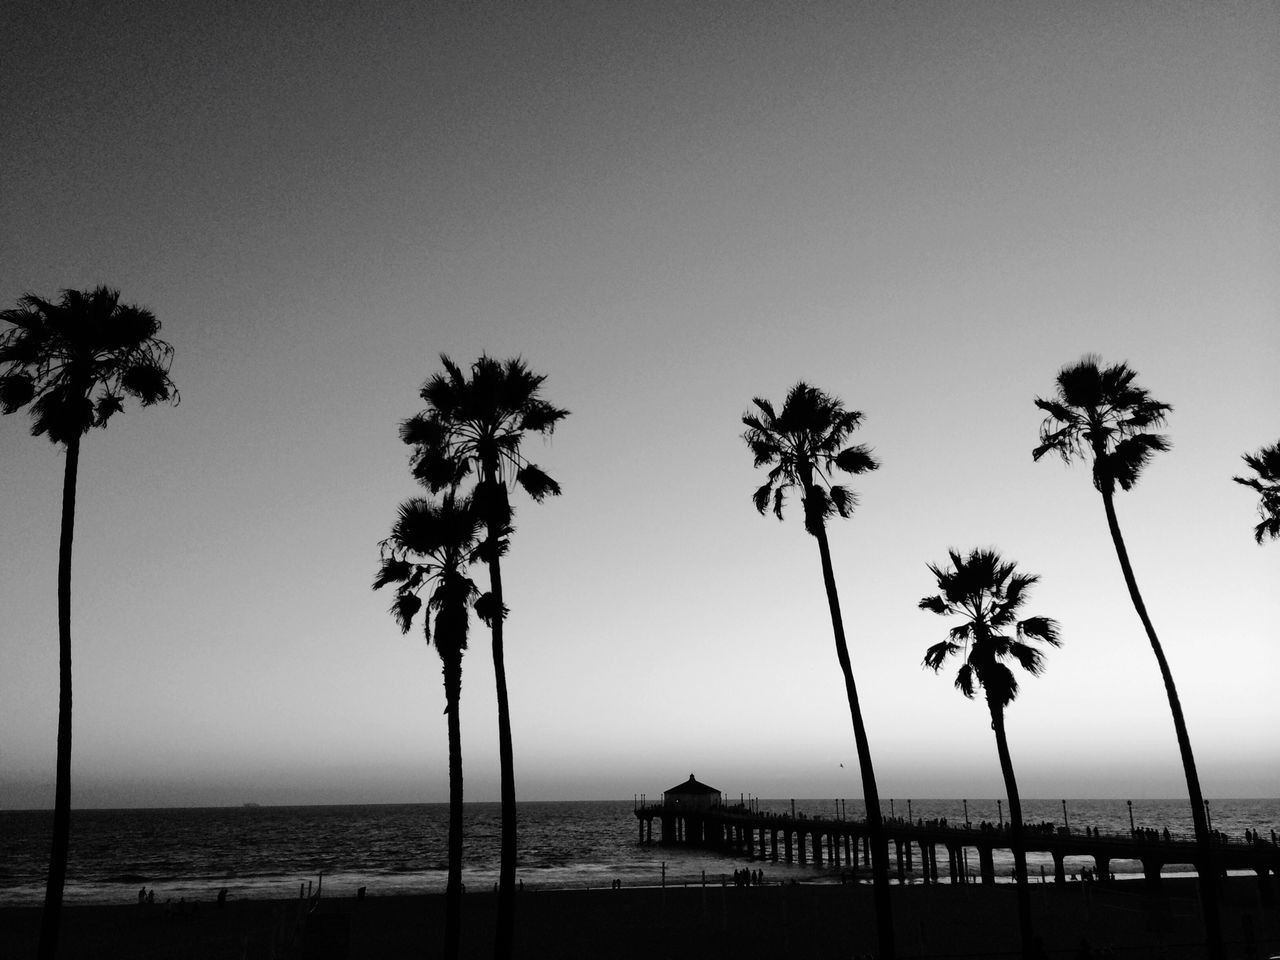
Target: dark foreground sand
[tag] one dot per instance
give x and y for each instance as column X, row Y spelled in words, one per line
column 718, row 923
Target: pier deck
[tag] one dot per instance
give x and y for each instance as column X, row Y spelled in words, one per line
column 744, row 831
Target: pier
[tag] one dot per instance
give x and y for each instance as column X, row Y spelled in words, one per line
column 915, row 847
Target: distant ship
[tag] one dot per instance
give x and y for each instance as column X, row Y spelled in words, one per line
column 252, row 806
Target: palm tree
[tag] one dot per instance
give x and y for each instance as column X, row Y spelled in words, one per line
column 430, row 547
column 1100, row 413
column 1266, row 463
column 802, row 445
column 475, row 425
column 73, row 362
column 987, row 592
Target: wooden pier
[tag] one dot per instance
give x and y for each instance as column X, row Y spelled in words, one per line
column 742, row 830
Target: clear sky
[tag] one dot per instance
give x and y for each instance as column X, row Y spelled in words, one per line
column 924, row 208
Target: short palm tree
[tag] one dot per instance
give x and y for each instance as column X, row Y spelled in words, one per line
column 73, row 362
column 430, row 548
column 987, row 592
column 1100, row 414
column 1266, row 464
column 803, row 445
column 474, row 426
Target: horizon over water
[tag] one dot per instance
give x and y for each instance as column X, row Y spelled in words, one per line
column 266, row 852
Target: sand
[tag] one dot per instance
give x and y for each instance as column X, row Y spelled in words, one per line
column 810, row 921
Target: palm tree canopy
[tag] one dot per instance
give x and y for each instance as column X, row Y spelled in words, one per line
column 803, row 445
column 477, row 424
column 987, row 593
column 1099, row 411
column 1266, row 464
column 75, row 360
column 430, row 548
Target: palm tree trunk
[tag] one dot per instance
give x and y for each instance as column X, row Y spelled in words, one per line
column 870, row 794
column 453, row 891
column 1206, row 867
column 504, row 934
column 50, row 919
column 1015, row 831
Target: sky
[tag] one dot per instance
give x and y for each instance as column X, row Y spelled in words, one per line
column 926, row 209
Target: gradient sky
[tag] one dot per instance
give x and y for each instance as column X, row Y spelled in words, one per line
column 926, row 209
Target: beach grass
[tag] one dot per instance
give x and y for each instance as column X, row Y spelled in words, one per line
column 802, row 921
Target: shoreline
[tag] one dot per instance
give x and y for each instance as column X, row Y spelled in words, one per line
column 780, row 920
column 205, row 890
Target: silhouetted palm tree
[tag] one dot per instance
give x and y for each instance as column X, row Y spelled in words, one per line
column 987, row 593
column 74, row 361
column 1100, row 414
column 802, row 445
column 476, row 425
column 1266, row 464
column 430, row 548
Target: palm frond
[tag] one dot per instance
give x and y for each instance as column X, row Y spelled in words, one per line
column 1129, row 456
column 766, row 407
column 487, row 609
column 16, row 391
column 761, row 497
column 392, row 570
column 843, row 499
column 61, row 413
column 107, row 406
column 935, row 604
column 1269, row 527
column 856, row 460
column 762, row 450
column 404, row 607
column 1044, row 629
column 1266, row 464
column 1018, row 584
column 1028, row 657
column 1082, row 384
column 538, row 416
column 148, row 382
column 1057, row 411
column 536, row 483
column 937, row 655
column 423, row 429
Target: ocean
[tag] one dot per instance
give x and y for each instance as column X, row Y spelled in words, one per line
column 268, row 852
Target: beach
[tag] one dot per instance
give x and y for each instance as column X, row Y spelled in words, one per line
column 783, row 920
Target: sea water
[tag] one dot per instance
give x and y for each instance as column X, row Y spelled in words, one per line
column 273, row 852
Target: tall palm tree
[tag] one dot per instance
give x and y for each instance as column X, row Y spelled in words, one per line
column 430, row 548
column 1100, row 414
column 802, row 446
column 73, row 361
column 1266, row 464
column 475, row 425
column 987, row 593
